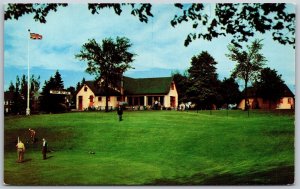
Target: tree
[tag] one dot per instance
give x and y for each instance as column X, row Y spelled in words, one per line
column 40, row 11
column 35, row 86
column 11, row 88
column 181, row 85
column 23, row 89
column 240, row 20
column 17, row 100
column 78, row 85
column 35, row 93
column 107, row 61
column 270, row 86
column 58, row 82
column 203, row 80
column 249, row 63
column 50, row 102
column 20, row 93
column 230, row 92
column 46, row 100
column 72, row 90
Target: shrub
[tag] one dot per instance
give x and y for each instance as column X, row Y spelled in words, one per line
column 91, row 108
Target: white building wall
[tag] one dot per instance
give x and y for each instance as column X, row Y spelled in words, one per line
column 172, row 93
column 85, row 97
column 286, row 103
column 96, row 103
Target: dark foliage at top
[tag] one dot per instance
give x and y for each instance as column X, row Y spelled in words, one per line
column 239, row 20
column 40, row 11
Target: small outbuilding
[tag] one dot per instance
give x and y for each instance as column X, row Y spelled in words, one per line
column 287, row 101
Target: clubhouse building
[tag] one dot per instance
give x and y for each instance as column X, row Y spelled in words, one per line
column 135, row 93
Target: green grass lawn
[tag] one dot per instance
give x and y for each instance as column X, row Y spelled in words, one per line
column 153, row 148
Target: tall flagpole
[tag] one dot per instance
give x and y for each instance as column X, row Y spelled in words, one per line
column 28, row 76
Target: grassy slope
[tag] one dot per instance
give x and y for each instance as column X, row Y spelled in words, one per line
column 164, row 147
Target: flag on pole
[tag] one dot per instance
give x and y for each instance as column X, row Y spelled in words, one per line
column 35, row 36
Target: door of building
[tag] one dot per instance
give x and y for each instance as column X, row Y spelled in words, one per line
column 173, row 101
column 80, row 103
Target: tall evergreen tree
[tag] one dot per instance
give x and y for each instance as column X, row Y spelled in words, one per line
column 58, row 82
column 17, row 100
column 11, row 87
column 20, row 93
column 78, row 86
column 82, row 81
column 51, row 102
column 203, row 80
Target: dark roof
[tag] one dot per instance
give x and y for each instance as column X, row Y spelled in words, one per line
column 140, row 86
column 287, row 92
column 99, row 91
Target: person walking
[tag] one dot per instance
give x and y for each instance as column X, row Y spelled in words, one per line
column 20, row 150
column 32, row 135
column 44, row 148
column 120, row 112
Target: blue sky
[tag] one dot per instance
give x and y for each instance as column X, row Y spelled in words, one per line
column 159, row 46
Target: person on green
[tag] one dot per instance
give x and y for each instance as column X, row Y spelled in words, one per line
column 44, row 148
column 20, row 150
column 120, row 112
column 32, row 135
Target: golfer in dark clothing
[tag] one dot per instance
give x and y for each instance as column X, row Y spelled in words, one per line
column 120, row 112
column 44, row 148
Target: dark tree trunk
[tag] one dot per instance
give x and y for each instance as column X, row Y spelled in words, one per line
column 106, row 96
column 246, row 96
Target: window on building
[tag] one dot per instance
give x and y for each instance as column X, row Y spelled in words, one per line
column 289, row 100
column 99, row 98
column 172, row 101
column 91, row 98
column 136, row 101
column 162, row 102
column 150, row 100
column 142, row 101
column 130, row 101
column 118, row 98
column 85, row 89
